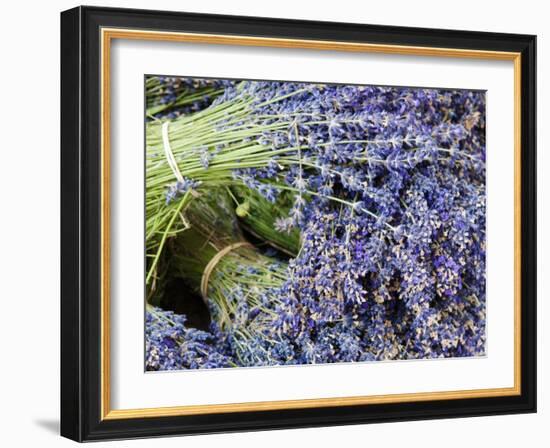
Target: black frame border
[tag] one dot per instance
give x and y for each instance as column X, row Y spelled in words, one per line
column 81, row 223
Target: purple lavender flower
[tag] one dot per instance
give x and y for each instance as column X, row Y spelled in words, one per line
column 388, row 188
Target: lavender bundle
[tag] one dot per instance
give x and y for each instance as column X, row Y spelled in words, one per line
column 200, row 150
column 405, row 266
column 170, row 97
column 208, row 149
column 238, row 282
column 170, row 345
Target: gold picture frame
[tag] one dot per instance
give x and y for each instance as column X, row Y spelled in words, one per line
column 517, row 49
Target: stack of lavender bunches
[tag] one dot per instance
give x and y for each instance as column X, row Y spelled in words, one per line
column 319, row 223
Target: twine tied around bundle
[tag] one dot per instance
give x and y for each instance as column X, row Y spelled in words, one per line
column 214, row 261
column 216, row 258
column 169, row 154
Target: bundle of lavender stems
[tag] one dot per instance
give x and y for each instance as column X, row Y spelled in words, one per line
column 317, row 223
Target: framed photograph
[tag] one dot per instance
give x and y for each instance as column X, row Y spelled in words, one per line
column 276, row 224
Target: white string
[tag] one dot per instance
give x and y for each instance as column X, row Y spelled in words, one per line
column 168, row 152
